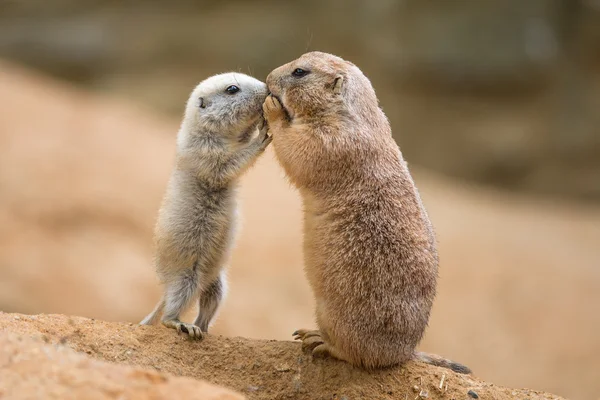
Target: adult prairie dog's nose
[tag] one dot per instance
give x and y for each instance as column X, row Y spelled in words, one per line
column 269, row 82
column 272, row 84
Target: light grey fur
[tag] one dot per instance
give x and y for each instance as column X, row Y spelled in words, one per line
column 196, row 223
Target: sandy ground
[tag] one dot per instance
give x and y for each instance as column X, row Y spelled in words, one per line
column 81, row 178
column 32, row 369
column 260, row 369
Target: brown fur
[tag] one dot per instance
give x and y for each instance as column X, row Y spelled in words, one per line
column 369, row 247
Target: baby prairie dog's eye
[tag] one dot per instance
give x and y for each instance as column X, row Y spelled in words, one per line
column 232, row 89
column 299, row 72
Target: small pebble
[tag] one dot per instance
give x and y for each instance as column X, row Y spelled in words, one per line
column 415, row 389
column 282, row 368
column 473, row 394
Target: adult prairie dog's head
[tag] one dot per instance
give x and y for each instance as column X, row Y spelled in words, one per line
column 334, row 129
column 319, row 84
column 226, row 106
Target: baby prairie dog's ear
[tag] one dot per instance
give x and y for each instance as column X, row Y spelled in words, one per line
column 338, row 84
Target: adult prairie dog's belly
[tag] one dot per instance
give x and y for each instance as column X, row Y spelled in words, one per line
column 367, row 255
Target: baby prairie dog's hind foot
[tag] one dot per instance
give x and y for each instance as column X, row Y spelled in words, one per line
column 191, row 330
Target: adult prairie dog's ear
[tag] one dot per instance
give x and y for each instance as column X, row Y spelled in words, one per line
column 201, row 102
column 338, row 84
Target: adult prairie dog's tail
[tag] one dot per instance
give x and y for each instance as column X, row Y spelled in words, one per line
column 441, row 362
column 153, row 317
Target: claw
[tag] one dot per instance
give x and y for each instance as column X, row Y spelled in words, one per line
column 262, row 124
column 191, row 330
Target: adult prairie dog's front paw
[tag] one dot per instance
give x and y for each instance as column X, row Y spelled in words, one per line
column 272, row 109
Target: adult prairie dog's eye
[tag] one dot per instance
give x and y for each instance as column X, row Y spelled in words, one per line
column 299, row 72
column 232, row 89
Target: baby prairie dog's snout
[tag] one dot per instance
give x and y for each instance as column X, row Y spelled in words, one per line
column 196, row 223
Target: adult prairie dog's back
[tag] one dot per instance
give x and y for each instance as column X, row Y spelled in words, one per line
column 196, row 223
column 370, row 254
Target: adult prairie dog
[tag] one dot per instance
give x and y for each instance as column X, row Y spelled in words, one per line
column 369, row 248
column 196, row 223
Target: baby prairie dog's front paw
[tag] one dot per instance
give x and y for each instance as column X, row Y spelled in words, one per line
column 263, row 139
column 273, row 110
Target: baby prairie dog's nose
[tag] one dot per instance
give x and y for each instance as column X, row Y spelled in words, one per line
column 262, row 90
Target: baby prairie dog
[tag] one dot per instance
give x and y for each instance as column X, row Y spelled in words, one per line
column 369, row 248
column 196, row 223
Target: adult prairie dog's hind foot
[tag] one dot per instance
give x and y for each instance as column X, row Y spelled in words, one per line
column 302, row 334
column 311, row 340
column 191, row 330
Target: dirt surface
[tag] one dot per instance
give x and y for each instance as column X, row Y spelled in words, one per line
column 81, row 178
column 32, row 369
column 258, row 368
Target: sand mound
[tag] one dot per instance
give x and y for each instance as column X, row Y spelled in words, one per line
column 258, row 368
column 31, row 369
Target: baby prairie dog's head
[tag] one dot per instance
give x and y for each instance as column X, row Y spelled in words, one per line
column 331, row 126
column 226, row 106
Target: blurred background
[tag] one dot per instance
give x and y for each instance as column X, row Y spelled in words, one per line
column 494, row 104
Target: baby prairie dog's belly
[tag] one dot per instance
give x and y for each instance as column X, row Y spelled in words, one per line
column 196, row 226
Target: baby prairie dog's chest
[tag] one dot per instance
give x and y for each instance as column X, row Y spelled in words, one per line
column 195, row 210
